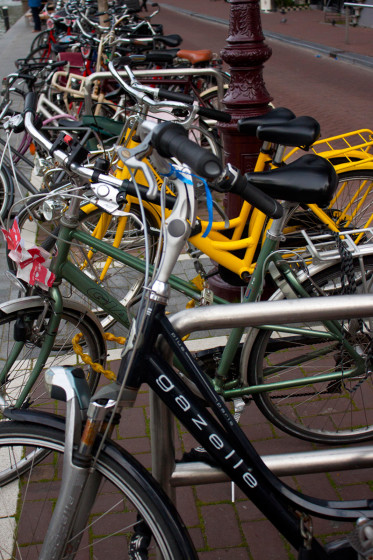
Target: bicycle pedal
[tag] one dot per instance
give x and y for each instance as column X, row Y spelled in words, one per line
column 196, row 455
column 239, row 406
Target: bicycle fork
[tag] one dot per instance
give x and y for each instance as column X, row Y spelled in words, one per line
column 80, row 482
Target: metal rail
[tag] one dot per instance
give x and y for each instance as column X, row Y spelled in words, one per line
column 347, row 13
column 285, row 464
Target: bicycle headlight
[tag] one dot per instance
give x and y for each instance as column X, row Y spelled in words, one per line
column 52, row 209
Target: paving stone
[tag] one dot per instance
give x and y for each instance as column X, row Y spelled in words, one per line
column 186, row 504
column 221, row 526
column 264, row 541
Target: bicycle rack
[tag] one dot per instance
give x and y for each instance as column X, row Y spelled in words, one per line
column 170, row 475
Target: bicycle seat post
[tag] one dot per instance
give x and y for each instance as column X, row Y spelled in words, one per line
column 278, row 155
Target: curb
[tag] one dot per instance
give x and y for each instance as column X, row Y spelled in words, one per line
column 345, row 56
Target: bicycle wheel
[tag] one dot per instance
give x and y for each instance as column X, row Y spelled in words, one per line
column 127, row 494
column 23, row 329
column 6, row 191
column 351, row 207
column 331, row 411
column 210, row 97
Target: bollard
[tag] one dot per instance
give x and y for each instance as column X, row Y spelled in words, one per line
column 6, row 18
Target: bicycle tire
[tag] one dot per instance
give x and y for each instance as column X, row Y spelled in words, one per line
column 41, row 40
column 6, row 191
column 27, row 320
column 329, row 412
column 127, row 491
column 40, row 54
column 210, row 98
column 351, row 208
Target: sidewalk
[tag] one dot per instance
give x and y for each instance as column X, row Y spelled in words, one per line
column 305, row 29
column 14, row 44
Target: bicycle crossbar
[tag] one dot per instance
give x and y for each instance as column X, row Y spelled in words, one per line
column 284, row 464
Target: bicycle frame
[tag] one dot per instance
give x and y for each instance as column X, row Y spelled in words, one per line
column 225, row 442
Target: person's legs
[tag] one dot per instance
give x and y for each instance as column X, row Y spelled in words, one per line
column 35, row 14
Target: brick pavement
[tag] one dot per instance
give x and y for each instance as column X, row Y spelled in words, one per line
column 206, row 509
column 306, row 27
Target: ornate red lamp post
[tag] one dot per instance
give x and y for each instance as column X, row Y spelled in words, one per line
column 247, row 96
column 245, row 54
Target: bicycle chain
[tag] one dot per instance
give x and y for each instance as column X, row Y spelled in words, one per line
column 98, row 368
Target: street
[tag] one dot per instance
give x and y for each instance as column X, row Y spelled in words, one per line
column 337, row 94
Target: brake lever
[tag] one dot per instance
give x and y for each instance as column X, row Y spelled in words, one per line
column 132, row 157
column 14, row 123
column 107, row 199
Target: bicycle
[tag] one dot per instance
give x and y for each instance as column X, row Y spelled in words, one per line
column 236, row 253
column 151, row 524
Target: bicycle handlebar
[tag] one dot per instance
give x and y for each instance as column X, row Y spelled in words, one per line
column 257, row 198
column 171, row 140
column 31, row 101
column 207, row 112
column 236, row 183
column 175, row 96
column 140, row 91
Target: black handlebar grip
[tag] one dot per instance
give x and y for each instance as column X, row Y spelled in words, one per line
column 220, row 116
column 31, row 102
column 171, row 140
column 262, row 201
column 174, row 96
column 129, row 60
column 58, row 64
